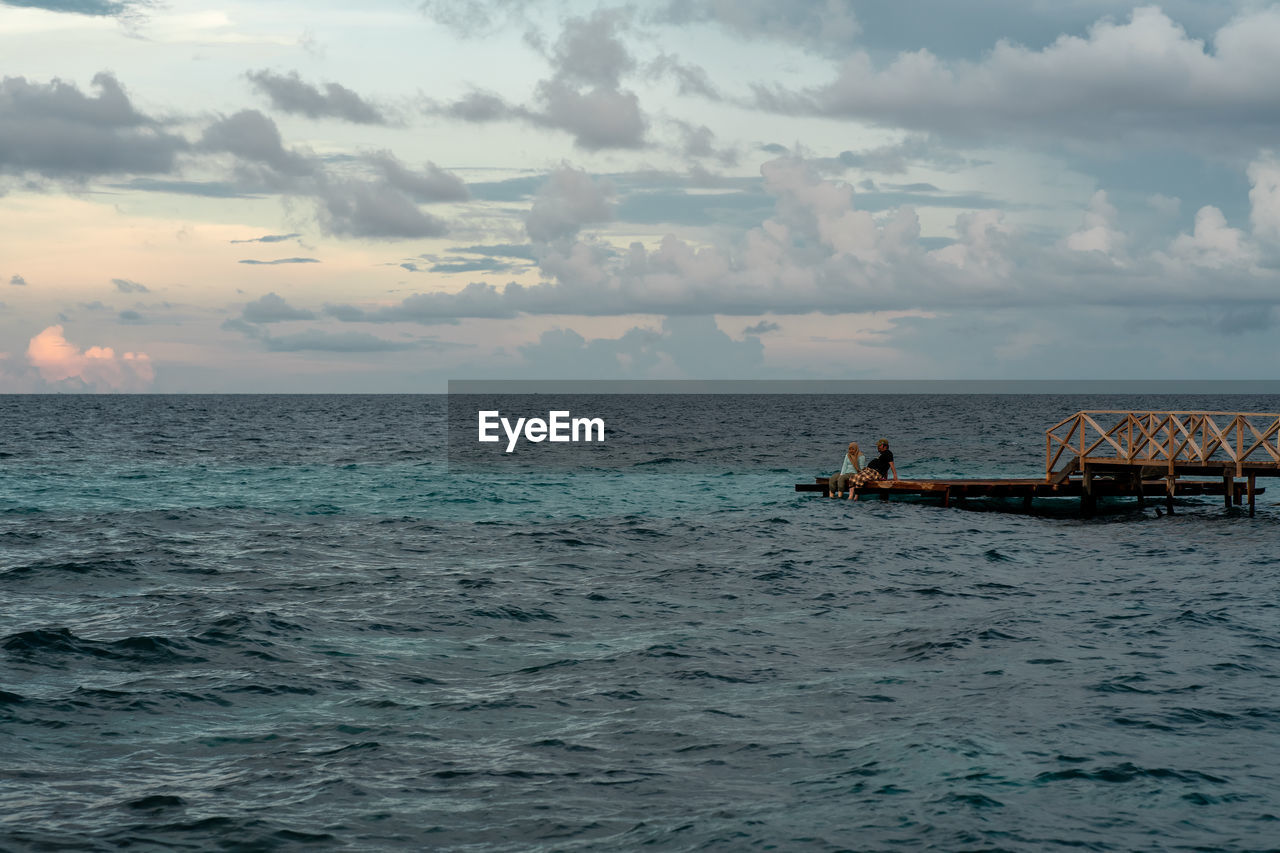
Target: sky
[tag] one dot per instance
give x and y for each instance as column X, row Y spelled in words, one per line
column 278, row 196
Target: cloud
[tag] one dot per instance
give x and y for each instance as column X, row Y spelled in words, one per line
column 272, row 308
column 500, row 250
column 1212, row 243
column 825, row 26
column 764, row 327
column 463, row 266
column 1098, row 233
column 123, row 285
column 568, row 200
column 383, row 208
column 819, row 252
column 321, row 341
column 1264, row 198
column 270, row 238
column 290, row 94
column 17, row 280
column 432, row 184
column 354, row 208
column 582, row 97
column 96, row 8
column 683, row 347
column 279, row 261
column 254, row 137
column 62, row 363
column 475, row 300
column 55, row 130
column 131, row 318
column 1144, row 78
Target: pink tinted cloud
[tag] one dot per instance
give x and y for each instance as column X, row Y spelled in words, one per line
column 99, row 368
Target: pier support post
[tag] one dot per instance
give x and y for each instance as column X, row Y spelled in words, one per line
column 1088, row 504
column 1228, row 486
column 1250, row 485
column 946, row 497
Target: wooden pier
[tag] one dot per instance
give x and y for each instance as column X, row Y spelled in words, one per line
column 1140, row 455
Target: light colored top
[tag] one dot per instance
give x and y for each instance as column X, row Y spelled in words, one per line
column 847, row 467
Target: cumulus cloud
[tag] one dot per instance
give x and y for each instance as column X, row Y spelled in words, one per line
column 55, row 130
column 1264, row 198
column 1212, row 243
column 818, row 251
column 379, row 206
column 682, row 347
column 1098, row 233
column 288, row 93
column 64, row 364
column 354, row 208
column 254, row 137
column 17, row 280
column 124, row 285
column 568, row 200
column 272, row 308
column 432, row 184
column 1144, row 76
column 583, row 96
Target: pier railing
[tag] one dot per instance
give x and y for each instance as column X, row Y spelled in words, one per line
column 1212, row 439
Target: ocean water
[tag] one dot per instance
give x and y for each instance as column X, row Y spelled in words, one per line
column 272, row 622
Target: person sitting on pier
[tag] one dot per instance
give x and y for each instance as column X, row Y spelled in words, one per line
column 854, row 462
column 878, row 469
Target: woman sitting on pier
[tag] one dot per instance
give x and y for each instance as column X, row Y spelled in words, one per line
column 877, row 470
column 853, row 463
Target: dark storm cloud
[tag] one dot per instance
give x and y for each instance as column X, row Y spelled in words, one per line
column 55, row 130
column 288, row 93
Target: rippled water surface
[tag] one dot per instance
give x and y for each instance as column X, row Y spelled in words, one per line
column 275, row 622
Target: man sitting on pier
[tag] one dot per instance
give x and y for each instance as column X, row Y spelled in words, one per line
column 853, row 463
column 877, row 470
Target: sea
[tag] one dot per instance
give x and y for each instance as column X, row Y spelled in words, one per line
column 253, row 623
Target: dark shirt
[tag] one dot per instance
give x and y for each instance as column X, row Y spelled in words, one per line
column 881, row 462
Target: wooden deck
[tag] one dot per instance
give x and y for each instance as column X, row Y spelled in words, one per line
column 1141, row 454
column 950, row 490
